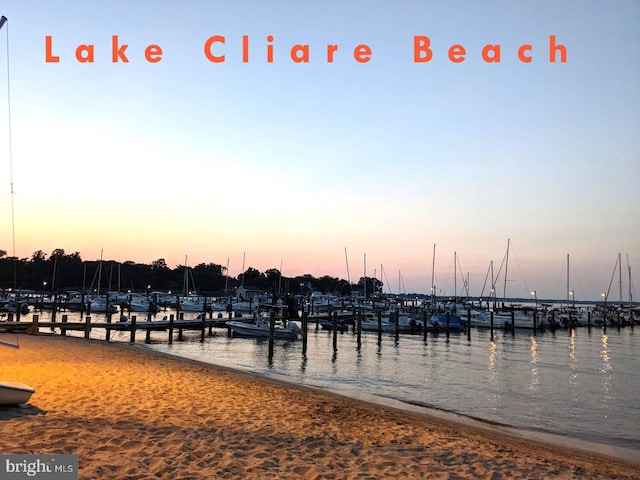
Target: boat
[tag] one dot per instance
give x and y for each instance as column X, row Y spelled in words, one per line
column 439, row 322
column 15, row 393
column 519, row 319
column 260, row 328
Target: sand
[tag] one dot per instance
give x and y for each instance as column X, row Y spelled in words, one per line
column 133, row 414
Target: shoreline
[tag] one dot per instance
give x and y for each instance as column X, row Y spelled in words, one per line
column 174, row 417
column 615, row 452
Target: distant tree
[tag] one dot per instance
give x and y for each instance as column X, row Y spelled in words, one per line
column 39, row 256
column 159, row 264
column 373, row 285
column 253, row 277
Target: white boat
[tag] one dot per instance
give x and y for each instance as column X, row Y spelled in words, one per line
column 15, row 393
column 192, row 303
column 141, row 303
column 520, row 320
column 261, row 329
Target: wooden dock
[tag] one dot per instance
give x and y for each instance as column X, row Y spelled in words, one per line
column 203, row 325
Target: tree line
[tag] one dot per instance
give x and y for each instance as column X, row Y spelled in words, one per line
column 63, row 271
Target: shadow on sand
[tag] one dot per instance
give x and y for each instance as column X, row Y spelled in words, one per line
column 7, row 412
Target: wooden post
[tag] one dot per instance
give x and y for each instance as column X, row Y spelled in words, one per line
column 63, row 331
column 87, row 327
column 619, row 321
column 229, row 329
column 446, row 328
column 335, row 331
column 535, row 322
column 397, row 327
column 468, row 325
column 589, row 321
column 513, row 322
column 147, row 337
column 132, row 336
column 359, row 333
column 424, row 325
column 305, row 321
column 379, row 327
column 34, row 324
column 272, row 328
column 203, row 325
column 180, row 318
column 107, row 334
column 171, row 329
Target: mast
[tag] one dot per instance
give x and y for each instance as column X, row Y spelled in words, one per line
column 568, row 285
column 55, row 266
column 455, row 281
column 347, row 262
column 185, row 281
column 629, row 271
column 99, row 272
column 433, row 270
column 4, row 20
column 506, row 267
column 620, row 275
column 365, row 276
column 493, row 285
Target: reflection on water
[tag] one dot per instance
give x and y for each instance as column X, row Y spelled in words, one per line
column 605, row 369
column 573, row 366
column 535, row 379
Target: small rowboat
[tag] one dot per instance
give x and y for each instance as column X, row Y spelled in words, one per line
column 15, row 393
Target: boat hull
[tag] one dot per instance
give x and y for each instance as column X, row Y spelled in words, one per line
column 251, row 330
column 15, row 393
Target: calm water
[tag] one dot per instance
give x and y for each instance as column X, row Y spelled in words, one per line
column 575, row 384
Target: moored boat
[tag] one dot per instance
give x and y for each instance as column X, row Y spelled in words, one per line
column 261, row 329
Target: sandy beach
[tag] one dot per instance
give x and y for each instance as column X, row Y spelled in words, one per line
column 132, row 414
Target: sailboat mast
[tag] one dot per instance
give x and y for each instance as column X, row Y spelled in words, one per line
column 629, row 271
column 365, row 276
column 347, row 262
column 55, row 266
column 568, row 286
column 99, row 271
column 455, row 279
column 4, row 20
column 433, row 271
column 620, row 275
column 493, row 286
column 185, row 280
column 506, row 267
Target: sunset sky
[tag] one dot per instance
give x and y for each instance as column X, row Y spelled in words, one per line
column 296, row 163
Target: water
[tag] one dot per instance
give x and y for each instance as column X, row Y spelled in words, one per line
column 577, row 384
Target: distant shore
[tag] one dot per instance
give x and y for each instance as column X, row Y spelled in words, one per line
column 130, row 413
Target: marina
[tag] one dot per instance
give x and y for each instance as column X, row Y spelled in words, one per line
column 572, row 383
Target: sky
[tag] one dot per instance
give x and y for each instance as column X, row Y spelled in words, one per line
column 330, row 167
